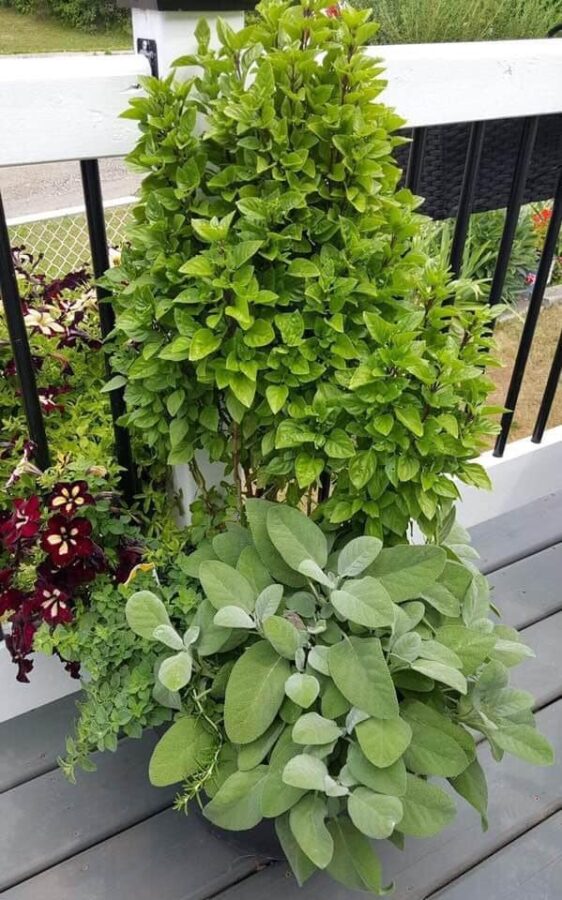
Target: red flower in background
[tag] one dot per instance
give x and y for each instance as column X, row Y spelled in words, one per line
column 333, row 12
column 69, row 499
column 67, row 539
column 22, row 524
column 542, row 218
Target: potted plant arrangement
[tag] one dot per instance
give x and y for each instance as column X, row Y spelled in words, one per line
column 275, row 313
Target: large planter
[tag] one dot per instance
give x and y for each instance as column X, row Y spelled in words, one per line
column 260, row 841
column 445, row 155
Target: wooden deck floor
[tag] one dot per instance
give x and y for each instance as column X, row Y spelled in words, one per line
column 113, row 837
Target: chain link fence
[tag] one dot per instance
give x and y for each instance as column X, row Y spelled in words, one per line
column 61, row 237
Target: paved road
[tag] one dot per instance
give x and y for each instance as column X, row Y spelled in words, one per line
column 31, row 189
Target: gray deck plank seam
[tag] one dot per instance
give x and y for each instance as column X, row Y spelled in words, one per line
column 266, row 864
column 95, row 843
column 511, row 561
column 488, row 856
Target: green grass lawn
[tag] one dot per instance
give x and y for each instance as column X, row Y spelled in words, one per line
column 33, row 34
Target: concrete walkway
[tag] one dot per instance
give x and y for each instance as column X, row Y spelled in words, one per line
column 40, row 188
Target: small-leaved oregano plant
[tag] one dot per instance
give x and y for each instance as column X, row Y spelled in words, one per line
column 273, row 309
column 323, row 684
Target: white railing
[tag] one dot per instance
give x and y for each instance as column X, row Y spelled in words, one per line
column 67, row 107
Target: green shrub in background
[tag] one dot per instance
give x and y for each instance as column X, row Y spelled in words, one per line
column 420, row 21
column 273, row 310
column 89, row 15
column 481, row 250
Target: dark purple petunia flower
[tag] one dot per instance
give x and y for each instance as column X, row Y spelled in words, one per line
column 130, row 554
column 22, row 524
column 70, row 498
column 67, row 539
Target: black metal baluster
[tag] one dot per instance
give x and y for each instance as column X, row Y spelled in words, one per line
column 531, row 320
column 549, row 394
column 415, row 160
column 466, row 200
column 20, row 346
column 524, row 155
column 100, row 259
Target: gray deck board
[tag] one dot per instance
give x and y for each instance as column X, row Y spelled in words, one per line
column 31, row 743
column 529, row 589
column 521, row 797
column 528, row 869
column 514, row 535
column 542, row 675
column 48, row 819
column 168, row 857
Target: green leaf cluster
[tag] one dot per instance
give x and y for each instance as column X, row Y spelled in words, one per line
column 274, row 307
column 330, row 681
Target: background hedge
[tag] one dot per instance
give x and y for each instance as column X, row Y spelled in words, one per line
column 90, row 15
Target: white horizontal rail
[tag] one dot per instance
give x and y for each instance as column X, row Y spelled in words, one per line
column 435, row 84
column 67, row 107
column 49, row 215
column 62, row 107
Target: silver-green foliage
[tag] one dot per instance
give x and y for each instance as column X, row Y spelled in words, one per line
column 342, row 686
column 273, row 309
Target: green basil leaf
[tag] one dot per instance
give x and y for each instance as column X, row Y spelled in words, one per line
column 446, row 674
column 301, row 865
column 357, row 555
column 225, row 586
column 311, row 728
column 307, row 821
column 296, row 537
column 145, row 612
column 185, row 749
column 524, row 742
column 364, row 601
column 407, row 570
column 471, row 784
column 282, row 635
column 383, row 741
column 306, row 772
column 354, row 862
column 175, row 672
column 251, row 755
column 233, row 617
column 427, row 809
column 302, row 689
column 257, row 511
column 360, row 672
column 376, row 815
column 236, row 805
column 389, row 780
column 254, row 693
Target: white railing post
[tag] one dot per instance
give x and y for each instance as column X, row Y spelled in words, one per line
column 164, row 29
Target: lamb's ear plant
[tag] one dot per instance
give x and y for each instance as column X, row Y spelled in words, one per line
column 273, row 308
column 328, row 682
